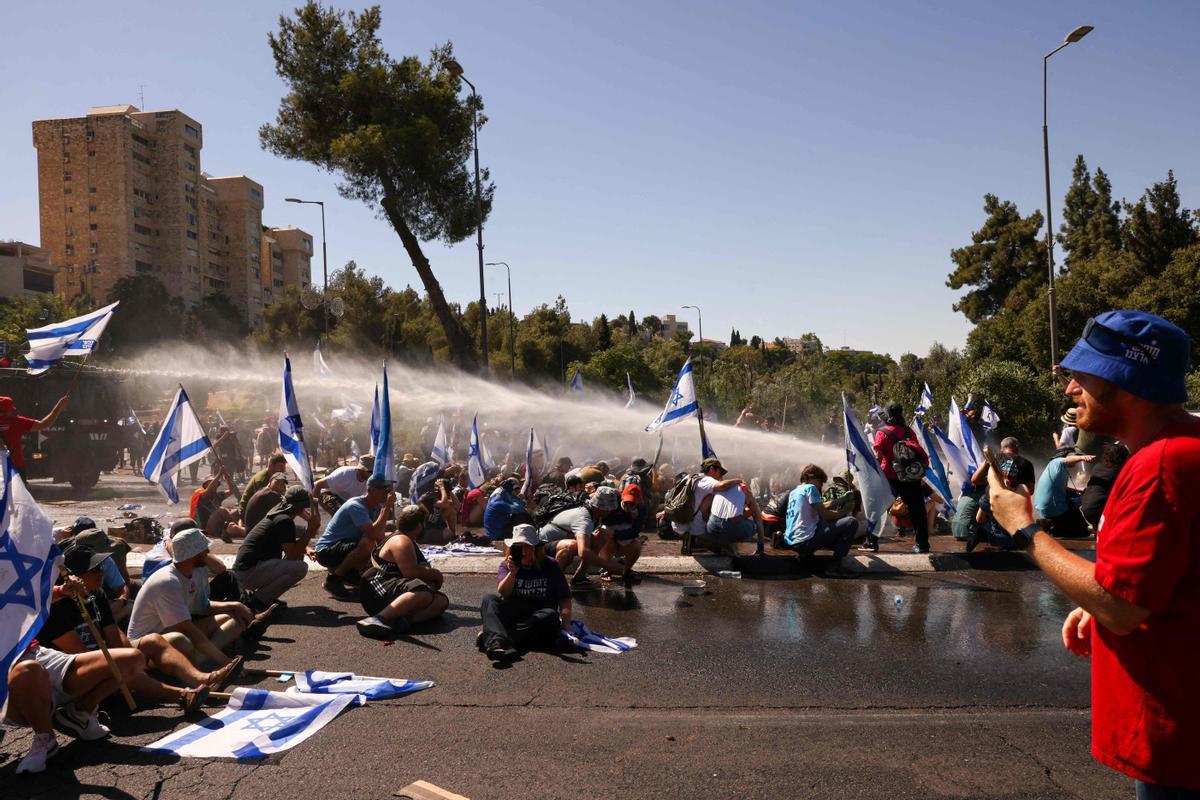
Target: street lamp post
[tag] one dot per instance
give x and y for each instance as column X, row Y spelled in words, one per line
column 1072, row 37
column 324, row 257
column 700, row 325
column 512, row 335
column 454, row 68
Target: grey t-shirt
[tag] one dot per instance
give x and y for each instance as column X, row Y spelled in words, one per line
column 163, row 602
column 568, row 524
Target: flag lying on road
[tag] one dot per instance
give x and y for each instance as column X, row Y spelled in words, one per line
column 583, row 638
column 256, row 723
column 441, row 447
column 868, row 475
column 180, row 442
column 71, row 337
column 27, row 570
column 314, row 681
column 682, row 402
column 291, row 430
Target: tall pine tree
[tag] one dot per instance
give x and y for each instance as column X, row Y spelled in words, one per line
column 1004, row 265
column 1091, row 218
column 1156, row 227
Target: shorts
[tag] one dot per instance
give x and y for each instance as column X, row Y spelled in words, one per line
column 378, row 590
column 551, row 533
column 332, row 557
column 57, row 664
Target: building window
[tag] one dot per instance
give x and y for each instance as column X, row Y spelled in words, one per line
column 191, row 251
column 278, row 284
column 36, row 281
column 307, row 245
column 143, row 266
column 142, row 229
column 190, row 131
column 191, row 218
column 67, row 190
column 193, row 235
column 92, row 207
column 91, row 153
column 66, row 158
column 191, row 151
column 70, row 209
column 255, row 241
column 91, row 190
column 66, row 139
column 92, row 226
column 95, row 248
column 191, row 167
column 139, row 157
column 255, row 195
column 66, row 176
column 142, row 140
column 69, row 249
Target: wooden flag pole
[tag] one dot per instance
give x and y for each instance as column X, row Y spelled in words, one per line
column 112, row 665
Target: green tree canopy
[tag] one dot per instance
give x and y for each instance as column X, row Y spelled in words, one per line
column 1005, row 264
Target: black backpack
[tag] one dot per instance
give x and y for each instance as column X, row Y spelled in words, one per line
column 680, row 501
column 549, row 504
column 908, row 458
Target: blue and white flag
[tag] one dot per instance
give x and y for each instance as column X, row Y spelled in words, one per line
column 354, row 451
column 936, row 474
column 28, row 570
column 528, row 485
column 706, row 449
column 988, row 416
column 441, row 447
column 291, row 430
column 963, row 437
column 375, row 421
column 926, row 403
column 319, row 365
column 316, row 682
column 71, row 337
column 475, row 471
column 958, row 466
column 221, row 419
column 577, row 382
column 682, row 402
column 137, row 421
column 385, row 457
column 585, row 639
column 256, row 723
column 181, row 441
column 632, row 394
column 868, row 475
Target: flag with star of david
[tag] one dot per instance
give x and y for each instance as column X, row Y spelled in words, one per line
column 868, row 475
column 27, row 570
column 681, row 403
column 181, row 441
column 256, row 723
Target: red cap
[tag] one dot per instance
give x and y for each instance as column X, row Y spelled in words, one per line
column 6, row 405
column 632, row 494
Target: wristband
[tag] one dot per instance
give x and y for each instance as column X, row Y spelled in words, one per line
column 1024, row 536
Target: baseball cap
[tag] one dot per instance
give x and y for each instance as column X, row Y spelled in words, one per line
column 712, row 463
column 1138, row 352
column 81, row 558
column 188, row 544
column 183, row 524
column 6, row 405
column 523, row 534
column 82, row 524
column 632, row 494
column 278, row 476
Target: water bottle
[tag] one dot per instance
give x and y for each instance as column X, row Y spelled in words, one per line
column 729, row 573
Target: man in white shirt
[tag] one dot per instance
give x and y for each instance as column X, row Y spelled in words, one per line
column 728, row 522
column 344, row 483
column 713, row 480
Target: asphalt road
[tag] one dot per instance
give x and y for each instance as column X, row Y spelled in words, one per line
column 944, row 685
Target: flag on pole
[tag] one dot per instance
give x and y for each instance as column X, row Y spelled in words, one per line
column 632, row 395
column 682, row 402
column 27, row 570
column 706, row 449
column 291, row 430
column 527, row 486
column 256, row 723
column 319, row 364
column 868, row 475
column 936, row 474
column 314, row 681
column 385, row 457
column 320, row 424
column 926, row 403
column 441, row 450
column 181, row 441
column 141, row 427
column 475, row 470
column 375, row 421
column 962, row 436
column 72, row 337
column 990, row 419
column 958, row 467
column 221, row 419
column 577, row 382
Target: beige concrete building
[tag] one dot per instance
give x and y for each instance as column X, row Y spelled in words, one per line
column 25, row 270
column 121, row 193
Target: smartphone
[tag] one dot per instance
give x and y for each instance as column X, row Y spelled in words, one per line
column 514, row 552
column 993, row 460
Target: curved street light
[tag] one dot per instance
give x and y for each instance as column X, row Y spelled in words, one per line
column 512, row 335
column 324, row 254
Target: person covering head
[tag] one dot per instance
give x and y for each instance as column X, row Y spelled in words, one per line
column 1138, row 352
column 296, row 499
column 712, row 463
column 423, row 478
column 632, row 494
column 524, row 534
column 79, row 559
column 605, row 498
column 188, row 544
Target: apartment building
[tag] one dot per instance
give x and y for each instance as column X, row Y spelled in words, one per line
column 121, row 193
column 25, row 270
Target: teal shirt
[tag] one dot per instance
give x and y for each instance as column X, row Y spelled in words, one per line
column 1050, row 493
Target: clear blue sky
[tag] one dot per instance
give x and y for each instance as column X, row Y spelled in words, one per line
column 786, row 166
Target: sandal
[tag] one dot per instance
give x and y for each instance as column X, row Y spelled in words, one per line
column 219, row 678
column 190, row 700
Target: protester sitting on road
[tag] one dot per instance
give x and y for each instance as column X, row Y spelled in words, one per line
column 504, row 510
column 264, row 500
column 49, row 689
column 558, row 475
column 1052, row 499
column 13, row 426
column 66, row 630
column 1100, row 483
column 965, row 526
column 118, row 585
column 207, row 509
column 470, row 512
column 774, row 518
column 276, row 463
column 1018, row 470
column 345, row 545
column 431, row 487
column 532, row 601
column 174, row 601
column 624, row 543
column 271, row 558
column 400, row 589
column 713, row 480
column 344, row 483
column 811, row 526
column 569, row 535
column 731, row 515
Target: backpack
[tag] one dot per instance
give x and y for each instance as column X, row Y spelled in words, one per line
column 549, row 504
column 908, row 458
column 679, row 505
column 840, row 498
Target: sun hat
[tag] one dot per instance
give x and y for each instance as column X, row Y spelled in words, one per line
column 712, row 463
column 1069, row 417
column 524, row 534
column 1138, row 352
column 188, row 544
column 366, row 462
column 606, row 498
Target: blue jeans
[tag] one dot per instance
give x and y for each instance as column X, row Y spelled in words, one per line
column 727, row 531
column 837, row 536
column 1155, row 791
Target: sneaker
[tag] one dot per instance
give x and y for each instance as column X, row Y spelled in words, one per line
column 581, row 578
column 334, row 585
column 871, row 544
column 629, row 579
column 75, row 723
column 43, row 747
column 400, row 625
column 974, row 537
column 918, row 549
column 501, row 650
column 481, row 640
column 375, row 628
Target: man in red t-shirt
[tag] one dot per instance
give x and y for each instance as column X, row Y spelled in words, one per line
column 13, row 426
column 1139, row 604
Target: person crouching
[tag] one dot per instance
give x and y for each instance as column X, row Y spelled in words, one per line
column 532, row 601
column 399, row 589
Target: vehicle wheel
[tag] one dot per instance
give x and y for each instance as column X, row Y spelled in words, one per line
column 83, row 481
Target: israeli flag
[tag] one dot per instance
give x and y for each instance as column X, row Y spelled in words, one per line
column 137, row 421
column 706, row 449
column 28, row 569
column 441, row 449
column 963, row 437
column 385, row 457
column 527, row 486
column 868, row 475
column 181, row 441
column 72, row 337
column 936, row 474
column 316, row 682
column 585, row 639
column 926, row 403
column 990, row 419
column 475, row 470
column 577, row 382
column 375, row 421
column 221, row 419
column 632, row 395
column 319, row 365
column 682, row 402
column 256, row 723
column 291, row 430
column 959, row 468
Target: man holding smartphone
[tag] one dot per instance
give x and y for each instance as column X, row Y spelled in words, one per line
column 532, row 601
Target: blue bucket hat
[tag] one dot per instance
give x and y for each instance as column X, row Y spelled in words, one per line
column 1143, row 354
